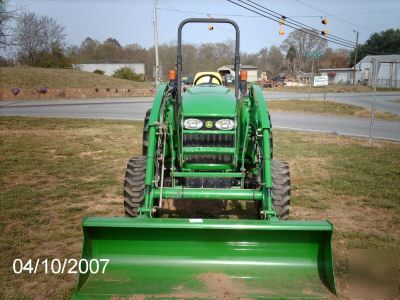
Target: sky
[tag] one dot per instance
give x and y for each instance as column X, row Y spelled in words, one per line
column 130, row 21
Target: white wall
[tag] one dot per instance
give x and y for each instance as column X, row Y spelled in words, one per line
column 109, row 69
column 340, row 77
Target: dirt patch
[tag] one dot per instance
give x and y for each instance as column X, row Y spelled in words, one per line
column 222, row 286
column 107, row 205
column 349, row 214
column 218, row 285
column 92, row 154
column 351, row 219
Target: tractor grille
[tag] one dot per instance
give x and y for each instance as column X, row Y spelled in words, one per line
column 208, row 140
column 210, row 158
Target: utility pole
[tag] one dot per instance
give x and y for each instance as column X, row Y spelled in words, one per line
column 312, row 74
column 375, row 71
column 355, row 57
column 157, row 79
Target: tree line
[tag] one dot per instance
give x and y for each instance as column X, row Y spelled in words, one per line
column 40, row 41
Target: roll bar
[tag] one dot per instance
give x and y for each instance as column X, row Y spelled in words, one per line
column 179, row 58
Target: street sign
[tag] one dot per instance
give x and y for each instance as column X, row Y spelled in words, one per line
column 320, row 80
column 159, row 73
column 313, row 54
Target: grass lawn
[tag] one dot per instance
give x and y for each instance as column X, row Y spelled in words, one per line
column 321, row 89
column 25, row 77
column 54, row 172
column 329, row 89
column 327, row 107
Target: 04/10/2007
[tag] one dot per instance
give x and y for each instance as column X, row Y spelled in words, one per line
column 60, row 266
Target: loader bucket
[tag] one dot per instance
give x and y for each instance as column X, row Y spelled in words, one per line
column 200, row 258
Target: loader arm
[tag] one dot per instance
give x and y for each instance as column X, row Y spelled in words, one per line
column 153, row 125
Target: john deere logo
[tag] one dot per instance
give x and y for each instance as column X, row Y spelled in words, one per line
column 209, row 124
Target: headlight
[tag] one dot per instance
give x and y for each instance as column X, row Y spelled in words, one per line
column 193, row 124
column 225, row 124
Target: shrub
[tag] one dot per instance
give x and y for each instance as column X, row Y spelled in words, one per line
column 97, row 71
column 127, row 73
column 54, row 59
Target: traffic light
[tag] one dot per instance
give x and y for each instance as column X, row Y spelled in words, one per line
column 324, row 21
column 281, row 23
column 324, row 32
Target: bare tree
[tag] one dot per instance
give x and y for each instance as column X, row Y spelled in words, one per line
column 304, row 42
column 274, row 61
column 291, row 56
column 37, row 35
column 262, row 59
column 6, row 17
column 135, row 53
column 110, row 51
column 335, row 58
column 88, row 50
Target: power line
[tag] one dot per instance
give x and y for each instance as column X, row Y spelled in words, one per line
column 333, row 16
column 208, row 14
column 369, row 13
column 227, row 15
column 299, row 16
column 319, row 16
column 296, row 23
column 307, row 31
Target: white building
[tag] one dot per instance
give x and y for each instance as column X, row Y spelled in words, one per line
column 389, row 70
column 109, row 69
column 338, row 75
column 230, row 69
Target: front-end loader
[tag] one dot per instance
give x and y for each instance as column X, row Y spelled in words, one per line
column 207, row 143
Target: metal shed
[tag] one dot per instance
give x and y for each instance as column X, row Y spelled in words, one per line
column 389, row 70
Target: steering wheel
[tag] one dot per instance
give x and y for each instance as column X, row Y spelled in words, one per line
column 212, row 76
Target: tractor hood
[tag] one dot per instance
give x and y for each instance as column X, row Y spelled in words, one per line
column 209, row 100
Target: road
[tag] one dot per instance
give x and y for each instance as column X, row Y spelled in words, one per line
column 134, row 109
column 385, row 101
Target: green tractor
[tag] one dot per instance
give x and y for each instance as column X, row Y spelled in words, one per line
column 207, row 143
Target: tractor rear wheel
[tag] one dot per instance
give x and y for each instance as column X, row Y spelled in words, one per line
column 134, row 185
column 146, row 132
column 280, row 188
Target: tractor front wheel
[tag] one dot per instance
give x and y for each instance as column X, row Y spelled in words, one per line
column 280, row 188
column 134, row 185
